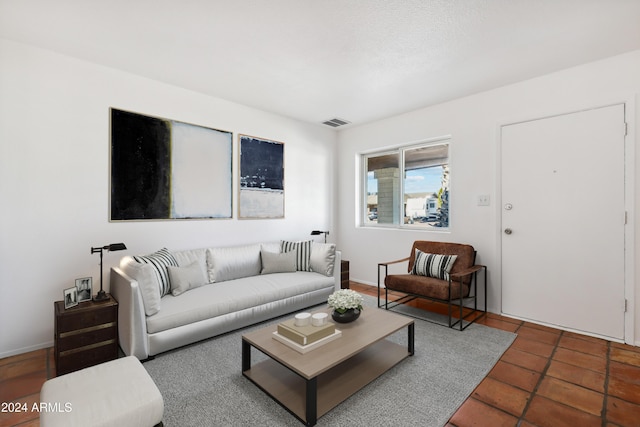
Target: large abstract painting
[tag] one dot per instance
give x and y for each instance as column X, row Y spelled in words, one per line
column 261, row 178
column 165, row 169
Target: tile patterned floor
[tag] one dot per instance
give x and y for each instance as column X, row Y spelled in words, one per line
column 551, row 378
column 547, row 378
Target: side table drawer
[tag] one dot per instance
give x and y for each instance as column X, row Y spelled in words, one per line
column 85, row 319
column 74, row 360
column 86, row 336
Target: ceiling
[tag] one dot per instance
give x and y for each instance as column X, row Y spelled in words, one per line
column 314, row 60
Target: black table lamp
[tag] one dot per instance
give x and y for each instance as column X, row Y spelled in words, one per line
column 102, row 295
column 317, row 232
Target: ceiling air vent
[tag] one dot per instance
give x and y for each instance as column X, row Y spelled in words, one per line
column 336, row 122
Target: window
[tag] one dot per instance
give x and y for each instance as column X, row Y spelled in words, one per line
column 407, row 186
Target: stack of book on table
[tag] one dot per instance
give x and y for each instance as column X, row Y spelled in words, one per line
column 305, row 338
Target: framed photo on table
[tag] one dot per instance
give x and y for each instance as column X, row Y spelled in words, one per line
column 85, row 288
column 70, row 297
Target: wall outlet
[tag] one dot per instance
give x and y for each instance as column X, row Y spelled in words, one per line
column 483, row 200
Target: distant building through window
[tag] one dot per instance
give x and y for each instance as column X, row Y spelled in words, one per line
column 407, row 186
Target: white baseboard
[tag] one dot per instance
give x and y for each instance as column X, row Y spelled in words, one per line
column 26, row 349
column 364, row 282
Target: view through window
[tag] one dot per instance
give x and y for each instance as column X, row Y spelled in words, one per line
column 408, row 186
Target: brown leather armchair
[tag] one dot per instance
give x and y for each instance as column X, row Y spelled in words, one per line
column 454, row 287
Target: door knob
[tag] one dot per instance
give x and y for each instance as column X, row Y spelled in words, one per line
column 507, row 231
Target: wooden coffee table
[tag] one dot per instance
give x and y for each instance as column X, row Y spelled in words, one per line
column 310, row 385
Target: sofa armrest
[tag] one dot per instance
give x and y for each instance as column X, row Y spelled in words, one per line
column 467, row 272
column 393, row 262
column 132, row 324
column 381, row 276
column 337, row 270
column 386, row 272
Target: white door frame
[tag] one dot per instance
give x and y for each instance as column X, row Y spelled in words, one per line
column 629, row 177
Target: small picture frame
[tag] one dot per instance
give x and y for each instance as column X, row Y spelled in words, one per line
column 85, row 288
column 70, row 297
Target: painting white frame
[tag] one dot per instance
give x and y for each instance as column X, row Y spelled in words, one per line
column 164, row 169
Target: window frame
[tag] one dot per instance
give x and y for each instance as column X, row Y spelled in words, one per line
column 400, row 150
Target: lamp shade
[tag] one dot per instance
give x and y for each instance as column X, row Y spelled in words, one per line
column 318, row 232
column 115, row 247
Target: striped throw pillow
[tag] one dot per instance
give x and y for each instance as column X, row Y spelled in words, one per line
column 433, row 265
column 159, row 261
column 303, row 253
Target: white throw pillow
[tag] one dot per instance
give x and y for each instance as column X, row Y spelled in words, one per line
column 323, row 258
column 188, row 256
column 184, row 278
column 270, row 246
column 274, row 262
column 147, row 280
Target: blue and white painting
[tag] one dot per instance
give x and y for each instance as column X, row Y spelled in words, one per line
column 261, row 178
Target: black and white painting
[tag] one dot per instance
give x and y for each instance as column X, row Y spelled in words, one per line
column 166, row 169
column 261, row 178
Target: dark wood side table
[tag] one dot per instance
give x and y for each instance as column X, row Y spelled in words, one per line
column 344, row 274
column 85, row 335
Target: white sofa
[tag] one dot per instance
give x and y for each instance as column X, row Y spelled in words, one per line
column 171, row 299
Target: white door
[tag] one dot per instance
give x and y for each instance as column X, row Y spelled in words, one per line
column 563, row 221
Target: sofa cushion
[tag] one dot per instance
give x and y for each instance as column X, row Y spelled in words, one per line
column 426, row 286
column 270, row 246
column 433, row 265
column 234, row 262
column 275, row 262
column 184, row 278
column 159, row 260
column 231, row 296
column 147, row 282
column 322, row 258
column 188, row 256
column 302, row 250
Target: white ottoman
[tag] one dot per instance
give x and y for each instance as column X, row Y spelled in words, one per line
column 118, row 393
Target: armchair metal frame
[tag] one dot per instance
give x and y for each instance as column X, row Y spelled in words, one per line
column 459, row 302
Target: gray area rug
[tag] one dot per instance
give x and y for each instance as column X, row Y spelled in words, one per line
column 202, row 384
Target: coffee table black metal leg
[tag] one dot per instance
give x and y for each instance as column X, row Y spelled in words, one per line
column 312, row 401
column 411, row 339
column 246, row 356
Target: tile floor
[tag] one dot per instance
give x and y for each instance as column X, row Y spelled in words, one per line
column 547, row 378
column 551, row 378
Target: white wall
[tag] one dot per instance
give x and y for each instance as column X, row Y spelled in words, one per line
column 54, row 174
column 54, row 180
column 473, row 122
